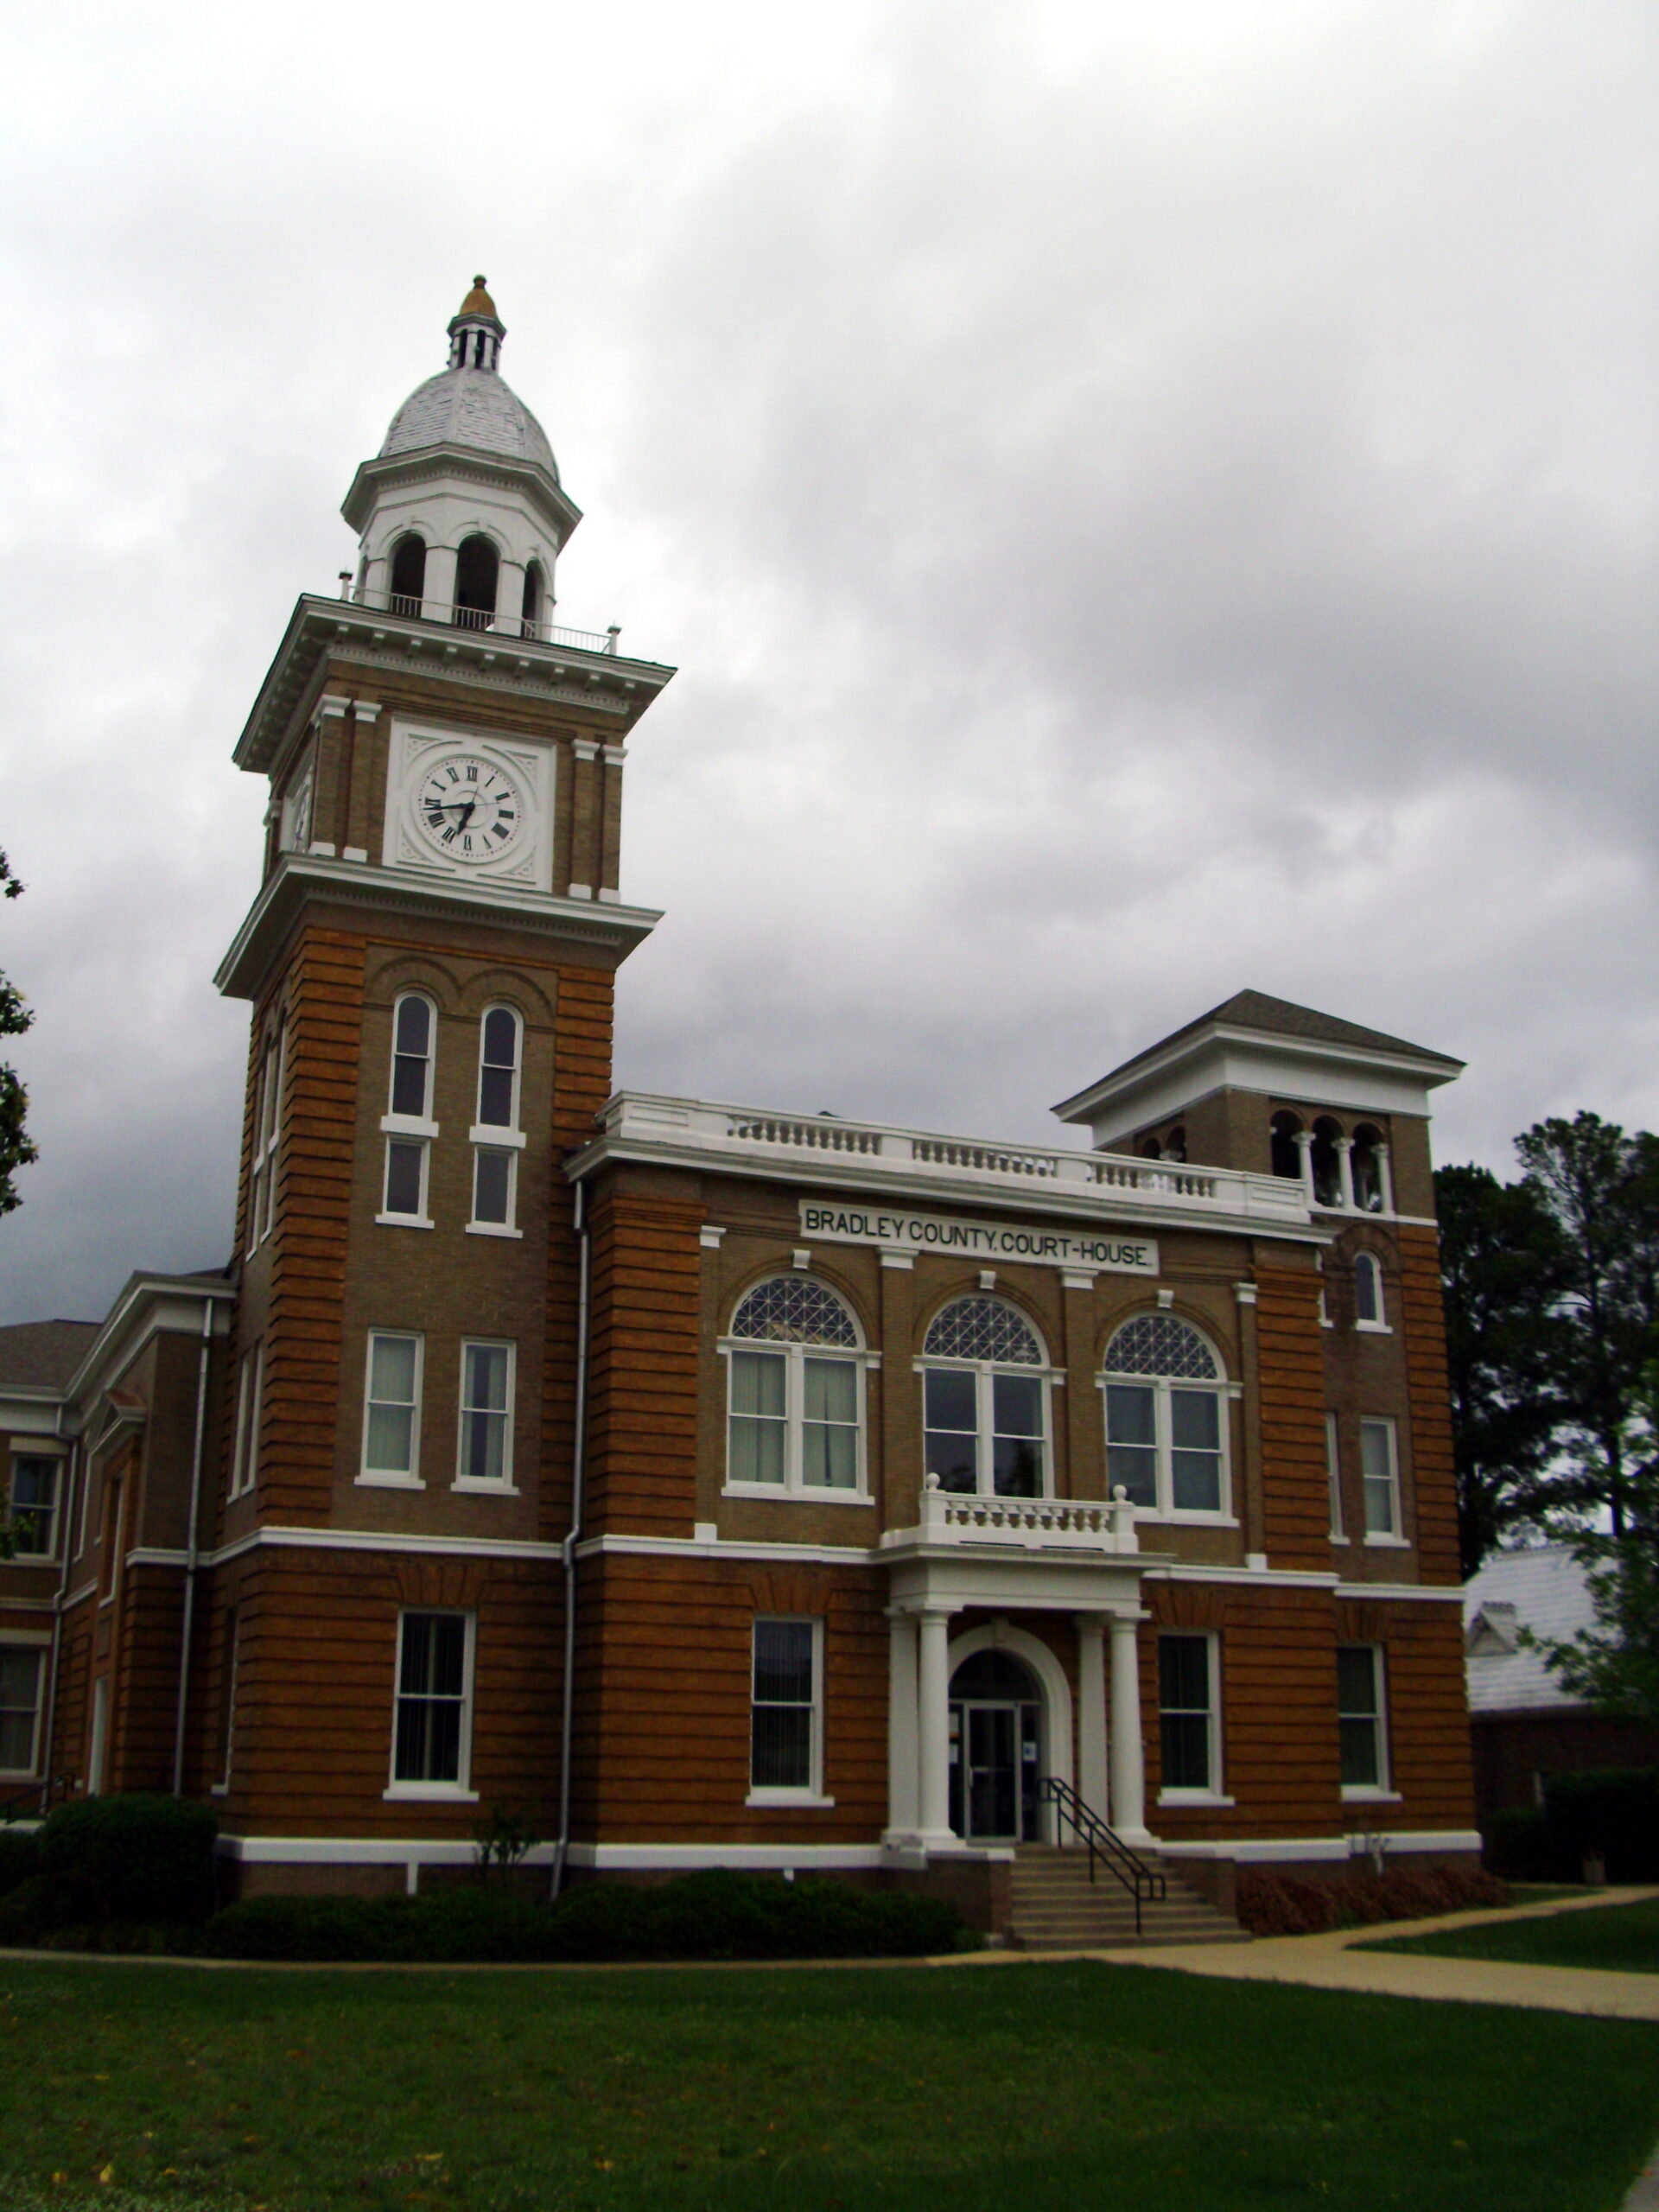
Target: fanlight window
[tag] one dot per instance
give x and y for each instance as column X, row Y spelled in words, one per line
column 1166, row 1429
column 795, row 1414
column 986, row 1427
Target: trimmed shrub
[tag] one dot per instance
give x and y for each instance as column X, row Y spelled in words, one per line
column 40, row 1907
column 1285, row 1904
column 141, row 1857
column 1613, row 1811
column 20, row 1857
column 453, row 1925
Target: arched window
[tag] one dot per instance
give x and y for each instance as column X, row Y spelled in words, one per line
column 1369, row 1312
column 1151, row 1149
column 535, row 592
column 412, row 1057
column 1175, row 1146
column 795, row 1397
column 498, row 1069
column 1367, row 1169
column 1327, row 1173
column 408, row 575
column 409, row 1124
column 1287, row 1153
column 1167, row 1418
column 495, row 1157
column 985, row 1413
column 478, row 568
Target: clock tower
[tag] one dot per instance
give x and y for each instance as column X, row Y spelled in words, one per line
column 430, row 961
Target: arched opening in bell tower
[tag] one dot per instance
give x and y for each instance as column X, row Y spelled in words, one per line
column 408, row 575
column 477, row 569
column 534, row 593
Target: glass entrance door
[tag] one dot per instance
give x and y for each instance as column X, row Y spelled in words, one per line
column 995, row 1761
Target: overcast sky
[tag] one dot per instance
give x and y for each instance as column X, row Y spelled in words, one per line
column 1144, row 499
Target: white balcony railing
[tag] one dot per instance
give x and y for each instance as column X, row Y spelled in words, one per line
column 1116, row 1182
column 478, row 618
column 1049, row 1524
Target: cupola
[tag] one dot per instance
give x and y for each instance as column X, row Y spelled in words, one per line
column 475, row 334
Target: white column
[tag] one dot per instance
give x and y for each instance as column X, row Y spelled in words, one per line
column 1128, row 1814
column 510, row 597
column 902, row 1807
column 1384, row 1176
column 1091, row 1712
column 933, row 1724
column 438, row 603
column 1345, row 1170
column 1303, row 1141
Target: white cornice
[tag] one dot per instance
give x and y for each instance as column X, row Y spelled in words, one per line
column 300, row 878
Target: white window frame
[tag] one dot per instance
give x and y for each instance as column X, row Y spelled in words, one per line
column 500, row 1132
column 503, row 1147
column 795, row 1356
column 393, row 1120
column 1224, row 1391
column 459, row 1792
column 812, row 1793
column 267, row 1136
column 1380, row 1791
column 422, row 1217
column 491, row 1486
column 233, row 1636
column 56, row 1514
column 1333, row 1479
column 250, row 1411
column 387, row 1479
column 1369, row 1263
column 984, row 1371
column 40, row 1645
column 1212, row 1793
column 1393, row 1537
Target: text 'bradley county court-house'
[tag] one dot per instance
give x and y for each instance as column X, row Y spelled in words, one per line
column 723, row 1486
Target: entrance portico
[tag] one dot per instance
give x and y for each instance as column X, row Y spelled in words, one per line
column 1008, row 1555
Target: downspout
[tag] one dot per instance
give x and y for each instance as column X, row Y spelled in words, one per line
column 578, row 1482
column 192, row 1549
column 75, row 1470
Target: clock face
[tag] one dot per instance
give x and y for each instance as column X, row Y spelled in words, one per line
column 468, row 809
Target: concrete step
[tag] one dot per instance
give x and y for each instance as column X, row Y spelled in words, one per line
column 1055, row 1906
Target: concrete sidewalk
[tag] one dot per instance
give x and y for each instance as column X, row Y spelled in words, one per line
column 1334, row 1960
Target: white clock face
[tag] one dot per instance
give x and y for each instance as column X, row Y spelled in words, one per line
column 470, row 808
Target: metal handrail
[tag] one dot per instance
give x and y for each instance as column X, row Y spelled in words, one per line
column 453, row 615
column 1144, row 1884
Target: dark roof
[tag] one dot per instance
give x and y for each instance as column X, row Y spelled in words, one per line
column 1282, row 1018
column 44, row 1353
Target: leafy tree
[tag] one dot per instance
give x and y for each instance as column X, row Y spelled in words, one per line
column 15, row 1149
column 1503, row 1269
column 1614, row 1664
column 1601, row 1189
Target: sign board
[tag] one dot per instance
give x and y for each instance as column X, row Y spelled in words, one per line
column 901, row 1230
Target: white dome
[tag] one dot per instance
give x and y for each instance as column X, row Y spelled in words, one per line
column 469, row 407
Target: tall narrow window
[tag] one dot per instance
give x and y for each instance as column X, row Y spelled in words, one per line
column 485, row 1455
column 431, row 1747
column 20, row 1708
column 1366, row 1167
column 409, row 1126
column 411, row 1058
column 408, row 575
column 1380, row 1467
column 478, row 568
column 1167, row 1398
column 1360, row 1717
column 1369, row 1310
column 985, row 1412
column 1333, row 1479
column 228, row 1655
column 498, row 1069
column 392, row 1418
column 786, row 1724
column 1186, row 1710
column 1327, row 1171
column 267, row 1127
column 249, row 1410
column 795, row 1405
column 495, row 1139
column 34, row 1504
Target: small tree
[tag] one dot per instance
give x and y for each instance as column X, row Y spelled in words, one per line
column 1614, row 1664
column 15, row 1149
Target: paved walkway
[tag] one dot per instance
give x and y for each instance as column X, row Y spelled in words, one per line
column 1335, row 1962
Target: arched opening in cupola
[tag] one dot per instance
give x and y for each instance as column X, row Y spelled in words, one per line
column 408, row 575
column 477, row 567
column 1327, row 1175
column 1287, row 1154
column 1368, row 1169
column 534, row 593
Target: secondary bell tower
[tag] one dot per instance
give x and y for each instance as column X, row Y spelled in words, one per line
column 430, row 959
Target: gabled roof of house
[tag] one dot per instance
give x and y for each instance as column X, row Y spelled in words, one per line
column 1272, row 1017
column 43, row 1355
column 1543, row 1589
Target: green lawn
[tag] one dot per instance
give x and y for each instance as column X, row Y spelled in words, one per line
column 1624, row 1937
column 1015, row 2088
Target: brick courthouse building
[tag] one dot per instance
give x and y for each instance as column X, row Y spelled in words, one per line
column 728, row 1486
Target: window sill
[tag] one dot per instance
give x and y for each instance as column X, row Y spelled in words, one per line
column 34, row 1558
column 1337, row 1536
column 429, row 1793
column 378, row 1481
column 403, row 1221
column 481, row 1488
column 503, row 1140
column 1381, row 1543
column 492, row 1229
column 1367, row 1793
column 1181, row 1517
column 1177, row 1798
column 407, row 1125
column 808, row 1800
column 1372, row 1329
column 803, row 1496
column 218, row 1790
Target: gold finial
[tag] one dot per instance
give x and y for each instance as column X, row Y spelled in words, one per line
column 478, row 300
